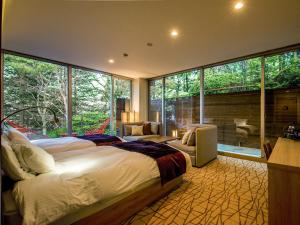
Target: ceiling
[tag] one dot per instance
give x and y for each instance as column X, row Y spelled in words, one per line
column 88, row 33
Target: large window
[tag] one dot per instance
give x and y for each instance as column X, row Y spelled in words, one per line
column 282, row 85
column 182, row 104
column 155, row 100
column 30, row 83
column 91, row 97
column 232, row 102
column 122, row 95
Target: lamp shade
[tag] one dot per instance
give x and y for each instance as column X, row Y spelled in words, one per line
column 157, row 116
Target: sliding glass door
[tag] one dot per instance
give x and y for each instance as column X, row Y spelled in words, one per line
column 232, row 102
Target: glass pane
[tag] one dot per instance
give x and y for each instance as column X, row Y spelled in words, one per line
column 282, row 84
column 232, row 102
column 122, row 95
column 91, row 96
column 31, row 83
column 155, row 103
column 182, row 103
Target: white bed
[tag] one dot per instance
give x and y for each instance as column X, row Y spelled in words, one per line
column 83, row 177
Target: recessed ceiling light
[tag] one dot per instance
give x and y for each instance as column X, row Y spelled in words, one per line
column 174, row 33
column 239, row 5
column 111, row 61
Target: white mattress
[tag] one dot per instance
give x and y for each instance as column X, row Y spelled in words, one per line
column 55, row 145
column 82, row 177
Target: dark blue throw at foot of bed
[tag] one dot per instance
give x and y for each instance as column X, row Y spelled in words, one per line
column 171, row 162
column 101, row 139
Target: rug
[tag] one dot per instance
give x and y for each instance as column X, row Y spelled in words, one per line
column 227, row 191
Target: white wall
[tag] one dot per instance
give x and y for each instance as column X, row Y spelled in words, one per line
column 140, row 98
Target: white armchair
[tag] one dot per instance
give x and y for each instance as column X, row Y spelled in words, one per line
column 205, row 149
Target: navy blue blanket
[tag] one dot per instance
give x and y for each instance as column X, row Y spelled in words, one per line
column 101, row 139
column 171, row 162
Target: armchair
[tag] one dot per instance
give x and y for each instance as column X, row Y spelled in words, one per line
column 205, row 149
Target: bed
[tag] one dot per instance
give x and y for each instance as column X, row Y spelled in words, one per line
column 90, row 185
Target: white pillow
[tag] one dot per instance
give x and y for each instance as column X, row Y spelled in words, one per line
column 33, row 158
column 137, row 130
column 10, row 163
column 154, row 128
column 185, row 137
column 240, row 122
column 15, row 135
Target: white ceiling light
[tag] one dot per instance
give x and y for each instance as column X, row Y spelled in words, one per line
column 174, row 33
column 239, row 5
column 111, row 61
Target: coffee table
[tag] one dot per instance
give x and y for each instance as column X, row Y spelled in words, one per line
column 161, row 139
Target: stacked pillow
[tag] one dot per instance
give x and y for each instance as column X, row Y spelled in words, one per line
column 189, row 137
column 22, row 159
column 10, row 163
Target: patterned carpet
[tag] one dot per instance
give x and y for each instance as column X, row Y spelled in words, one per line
column 226, row 191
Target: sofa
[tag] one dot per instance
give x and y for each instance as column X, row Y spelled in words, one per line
column 126, row 134
column 205, row 149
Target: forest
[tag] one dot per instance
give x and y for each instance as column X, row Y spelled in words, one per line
column 29, row 82
column 281, row 71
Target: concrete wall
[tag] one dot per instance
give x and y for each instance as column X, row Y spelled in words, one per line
column 140, row 98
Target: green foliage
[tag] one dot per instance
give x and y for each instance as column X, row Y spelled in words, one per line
column 29, row 82
column 281, row 71
column 88, row 121
column 183, row 85
column 53, row 133
column 234, row 77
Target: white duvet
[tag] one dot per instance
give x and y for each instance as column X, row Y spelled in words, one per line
column 55, row 145
column 82, row 177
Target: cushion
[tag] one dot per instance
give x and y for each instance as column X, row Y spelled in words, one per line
column 185, row 137
column 240, row 122
column 137, row 130
column 15, row 135
column 10, row 163
column 154, row 128
column 147, row 129
column 192, row 138
column 127, row 130
column 33, row 159
column 191, row 150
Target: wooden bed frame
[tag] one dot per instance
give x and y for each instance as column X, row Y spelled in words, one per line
column 120, row 211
